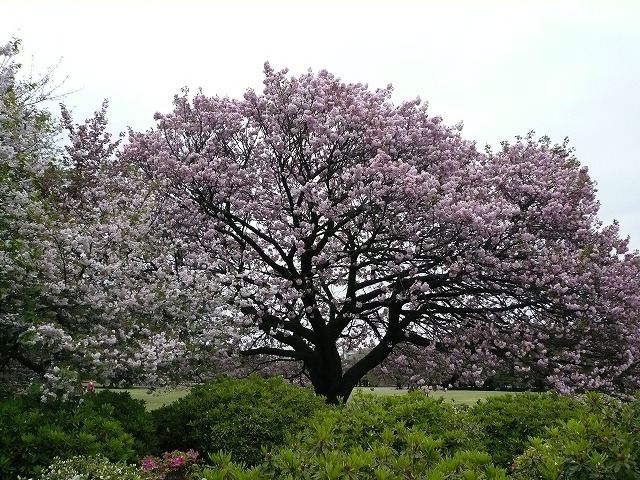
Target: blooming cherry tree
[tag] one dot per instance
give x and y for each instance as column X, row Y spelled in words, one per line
column 87, row 284
column 26, row 133
column 332, row 218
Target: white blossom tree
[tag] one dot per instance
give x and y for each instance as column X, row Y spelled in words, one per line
column 88, row 283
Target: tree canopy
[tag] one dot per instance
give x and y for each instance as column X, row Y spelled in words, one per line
column 315, row 229
column 328, row 218
column 80, row 292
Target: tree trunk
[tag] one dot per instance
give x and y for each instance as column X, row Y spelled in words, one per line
column 335, row 390
column 328, row 378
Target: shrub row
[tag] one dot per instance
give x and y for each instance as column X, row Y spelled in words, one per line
column 263, row 428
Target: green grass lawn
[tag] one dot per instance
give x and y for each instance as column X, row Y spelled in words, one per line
column 163, row 397
column 155, row 399
column 468, row 397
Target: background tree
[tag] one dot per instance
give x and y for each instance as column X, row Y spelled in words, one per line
column 26, row 150
column 331, row 217
column 86, row 285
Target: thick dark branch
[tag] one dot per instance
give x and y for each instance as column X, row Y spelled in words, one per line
column 377, row 354
column 38, row 368
column 371, row 360
column 420, row 341
column 294, row 327
column 279, row 352
column 450, row 309
column 238, row 225
column 294, row 341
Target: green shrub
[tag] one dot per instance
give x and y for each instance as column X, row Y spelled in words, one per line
column 397, row 453
column 132, row 415
column 238, row 416
column 603, row 443
column 395, row 437
column 415, row 456
column 447, row 421
column 34, row 433
column 365, row 417
column 89, row 468
column 507, row 421
column 222, row 468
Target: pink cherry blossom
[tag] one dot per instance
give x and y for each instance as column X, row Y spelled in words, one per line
column 315, row 229
column 335, row 221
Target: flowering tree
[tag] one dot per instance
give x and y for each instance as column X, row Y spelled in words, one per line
column 26, row 133
column 87, row 284
column 331, row 217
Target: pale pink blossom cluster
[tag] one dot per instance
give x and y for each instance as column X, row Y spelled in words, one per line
column 335, row 218
column 290, row 228
column 90, row 288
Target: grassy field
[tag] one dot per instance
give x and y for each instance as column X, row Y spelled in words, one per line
column 155, row 399
column 159, row 398
column 460, row 396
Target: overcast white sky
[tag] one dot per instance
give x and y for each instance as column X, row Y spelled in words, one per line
column 561, row 68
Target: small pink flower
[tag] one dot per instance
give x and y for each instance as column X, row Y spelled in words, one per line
column 148, row 464
column 193, row 455
column 90, row 386
column 178, row 461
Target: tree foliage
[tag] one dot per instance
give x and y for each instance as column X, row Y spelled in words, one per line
column 317, row 228
column 331, row 218
column 26, row 151
column 87, row 284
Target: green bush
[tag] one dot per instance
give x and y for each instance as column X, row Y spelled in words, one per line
column 34, row 433
column 417, row 456
column 325, row 450
column 89, row 468
column 403, row 437
column 132, row 415
column 603, row 443
column 238, row 416
column 447, row 421
column 365, row 417
column 507, row 421
column 221, row 467
column 395, row 437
